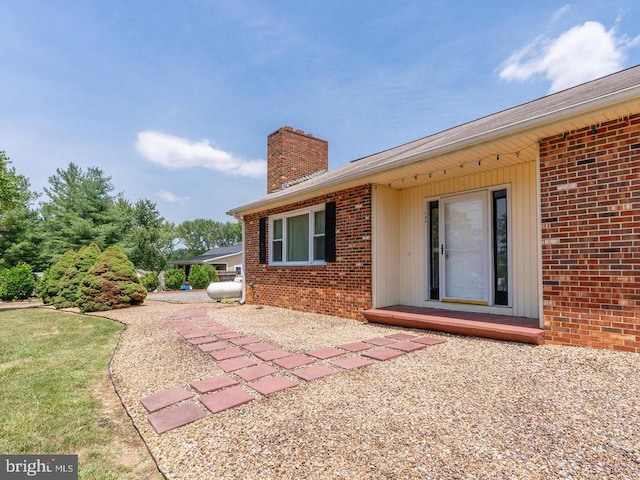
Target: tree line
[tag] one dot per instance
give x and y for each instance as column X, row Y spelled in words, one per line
column 79, row 207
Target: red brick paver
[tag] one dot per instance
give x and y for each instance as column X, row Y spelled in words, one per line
column 252, row 373
column 237, row 363
column 351, row 362
column 227, row 353
column 382, row 353
column 429, row 340
column 269, row 355
column 259, row 347
column 244, row 340
column 267, row 386
column 356, row 346
column 175, row 417
column 210, row 347
column 401, row 336
column 294, row 361
column 407, row 346
column 379, row 341
column 225, row 399
column 324, row 353
column 165, row 398
column 314, row 372
column 213, row 383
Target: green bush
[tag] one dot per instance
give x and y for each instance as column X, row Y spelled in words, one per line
column 198, row 277
column 17, row 283
column 150, row 281
column 111, row 283
column 75, row 273
column 173, row 278
column 211, row 272
column 50, row 285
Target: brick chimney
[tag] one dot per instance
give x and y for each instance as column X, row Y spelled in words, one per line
column 293, row 156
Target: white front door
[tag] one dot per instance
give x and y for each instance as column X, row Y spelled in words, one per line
column 464, row 249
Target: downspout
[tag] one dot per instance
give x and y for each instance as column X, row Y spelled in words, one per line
column 244, row 267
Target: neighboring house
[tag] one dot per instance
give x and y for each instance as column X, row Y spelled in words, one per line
column 224, row 259
column 530, row 213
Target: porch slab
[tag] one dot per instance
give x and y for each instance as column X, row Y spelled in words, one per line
column 175, row 417
column 225, row 399
column 498, row 327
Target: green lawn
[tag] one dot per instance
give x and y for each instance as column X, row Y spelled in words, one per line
column 54, row 391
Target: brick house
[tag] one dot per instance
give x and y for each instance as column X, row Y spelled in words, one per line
column 522, row 225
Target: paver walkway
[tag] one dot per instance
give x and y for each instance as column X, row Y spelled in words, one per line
column 251, row 365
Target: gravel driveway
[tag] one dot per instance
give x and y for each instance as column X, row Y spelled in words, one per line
column 469, row 408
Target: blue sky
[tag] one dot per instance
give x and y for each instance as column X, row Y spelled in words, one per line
column 174, row 99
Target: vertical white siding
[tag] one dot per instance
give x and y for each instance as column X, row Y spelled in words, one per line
column 409, row 234
column 386, row 270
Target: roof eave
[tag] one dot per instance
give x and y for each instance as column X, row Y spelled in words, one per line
column 526, row 126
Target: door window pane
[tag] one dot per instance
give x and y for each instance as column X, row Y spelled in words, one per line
column 464, row 249
column 500, row 250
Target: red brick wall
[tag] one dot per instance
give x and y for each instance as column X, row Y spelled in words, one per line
column 293, row 154
column 341, row 288
column 590, row 198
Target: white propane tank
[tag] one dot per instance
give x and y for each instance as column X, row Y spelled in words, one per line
column 220, row 290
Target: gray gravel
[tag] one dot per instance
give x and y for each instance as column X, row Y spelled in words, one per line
column 466, row 409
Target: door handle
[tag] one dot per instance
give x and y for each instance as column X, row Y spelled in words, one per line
column 442, row 249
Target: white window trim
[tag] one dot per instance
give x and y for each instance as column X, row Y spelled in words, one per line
column 294, row 213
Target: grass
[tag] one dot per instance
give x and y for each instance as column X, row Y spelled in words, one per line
column 55, row 393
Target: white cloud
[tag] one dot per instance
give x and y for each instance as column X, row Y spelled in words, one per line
column 171, row 197
column 560, row 12
column 578, row 55
column 175, row 152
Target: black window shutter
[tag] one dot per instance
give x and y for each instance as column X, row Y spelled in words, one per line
column 263, row 240
column 330, row 232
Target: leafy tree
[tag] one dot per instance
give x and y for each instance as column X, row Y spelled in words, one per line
column 19, row 240
column 111, row 283
column 174, row 278
column 14, row 188
column 150, row 240
column 17, row 283
column 80, row 210
column 201, row 235
column 75, row 273
column 51, row 282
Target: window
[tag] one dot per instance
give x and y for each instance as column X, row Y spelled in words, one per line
column 298, row 238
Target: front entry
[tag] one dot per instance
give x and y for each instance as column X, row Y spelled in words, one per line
column 468, row 246
column 463, row 249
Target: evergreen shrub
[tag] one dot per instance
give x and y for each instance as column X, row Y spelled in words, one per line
column 198, row 277
column 174, row 278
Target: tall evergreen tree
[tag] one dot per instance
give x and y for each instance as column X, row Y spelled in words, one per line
column 80, row 210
